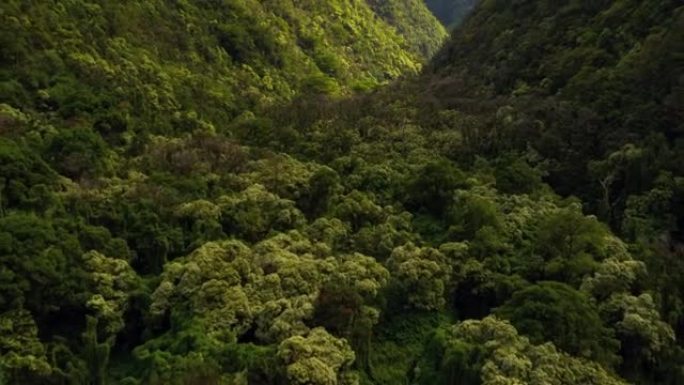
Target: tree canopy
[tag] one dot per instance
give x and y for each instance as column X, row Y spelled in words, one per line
column 308, row 192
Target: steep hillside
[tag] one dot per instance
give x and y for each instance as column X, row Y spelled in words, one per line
column 414, row 22
column 586, row 97
column 593, row 94
column 596, row 89
column 211, row 59
column 116, row 121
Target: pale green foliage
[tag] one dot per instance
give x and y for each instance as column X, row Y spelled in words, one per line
column 287, row 289
column 317, row 359
column 291, row 266
column 11, row 119
column 379, row 240
column 639, row 321
column 422, row 274
column 282, row 174
column 254, row 212
column 284, row 317
column 361, row 272
column 216, row 57
column 333, row 231
column 199, row 209
column 208, row 281
column 613, row 276
column 223, row 308
column 510, row 359
column 522, row 211
column 297, row 269
column 21, row 352
column 112, row 281
column 456, row 255
column 230, row 288
column 425, row 38
column 293, row 258
column 358, row 209
column 635, row 317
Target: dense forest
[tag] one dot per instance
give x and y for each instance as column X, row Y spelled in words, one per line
column 338, row 192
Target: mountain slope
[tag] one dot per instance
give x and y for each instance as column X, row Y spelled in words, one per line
column 192, row 193
column 215, row 59
column 582, row 85
column 591, row 92
column 115, row 125
column 413, row 21
column 584, row 96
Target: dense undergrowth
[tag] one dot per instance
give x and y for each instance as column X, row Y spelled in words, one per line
column 218, row 192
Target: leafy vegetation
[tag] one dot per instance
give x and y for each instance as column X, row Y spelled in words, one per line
column 246, row 192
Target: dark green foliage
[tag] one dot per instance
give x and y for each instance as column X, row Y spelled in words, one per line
column 77, row 152
column 570, row 244
column 446, row 362
column 25, row 178
column 324, row 184
column 580, row 89
column 37, row 264
column 585, row 91
column 433, row 187
column 551, row 311
column 471, row 214
column 401, row 339
column 95, row 354
column 514, row 175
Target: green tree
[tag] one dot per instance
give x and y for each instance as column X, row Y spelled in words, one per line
column 78, row 152
column 112, row 282
column 347, row 304
column 471, row 212
column 433, row 187
column 552, row 311
column 22, row 354
column 358, row 209
column 643, row 334
column 255, row 212
column 490, row 351
column 571, row 244
column 317, row 359
column 23, row 171
column 421, row 275
column 202, row 220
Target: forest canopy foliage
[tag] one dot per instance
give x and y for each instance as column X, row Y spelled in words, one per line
column 323, row 193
